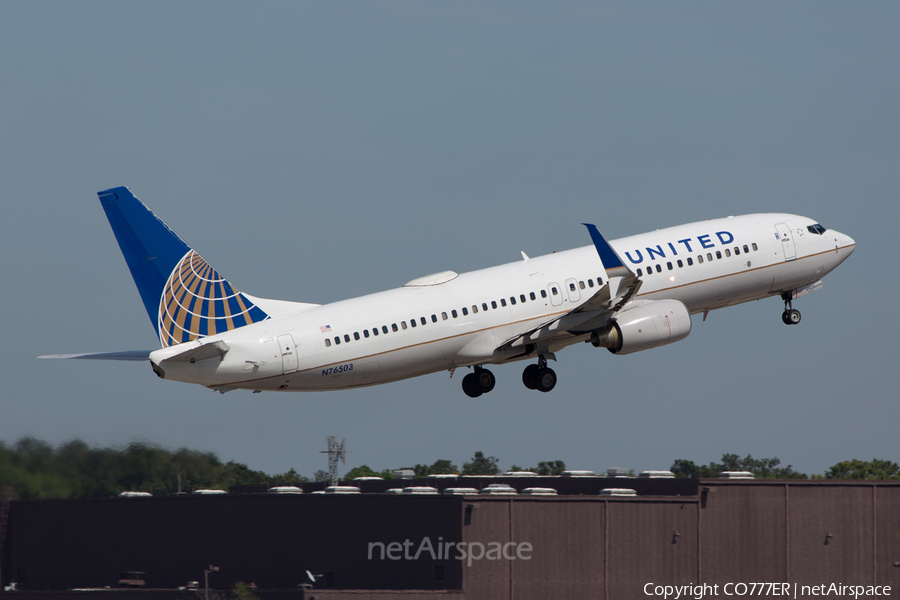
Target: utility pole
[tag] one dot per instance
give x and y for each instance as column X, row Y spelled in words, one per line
column 206, row 573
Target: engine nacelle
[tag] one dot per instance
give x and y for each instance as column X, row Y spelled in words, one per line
column 648, row 325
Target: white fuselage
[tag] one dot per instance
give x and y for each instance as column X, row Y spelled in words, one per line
column 705, row 265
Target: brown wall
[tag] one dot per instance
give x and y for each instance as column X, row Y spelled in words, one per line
column 583, row 546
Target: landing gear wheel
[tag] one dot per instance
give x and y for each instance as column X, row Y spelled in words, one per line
column 470, row 386
column 528, row 376
column 485, row 380
column 790, row 316
column 545, row 379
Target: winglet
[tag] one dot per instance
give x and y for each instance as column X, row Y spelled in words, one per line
column 611, row 261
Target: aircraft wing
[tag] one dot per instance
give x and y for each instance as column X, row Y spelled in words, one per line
column 620, row 287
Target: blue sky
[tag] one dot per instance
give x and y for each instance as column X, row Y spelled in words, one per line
column 318, row 151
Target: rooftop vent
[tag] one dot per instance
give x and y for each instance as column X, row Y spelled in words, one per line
column 736, row 475
column 498, row 489
column 657, row 475
column 285, row 489
column 539, row 491
column 403, row 474
column 210, row 492
column 616, row 472
column 342, row 489
column 460, row 491
column 620, row 492
column 578, row 474
column 520, row 474
column 393, row 491
column 420, row 490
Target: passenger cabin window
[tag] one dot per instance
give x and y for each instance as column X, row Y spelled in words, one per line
column 465, row 311
column 659, row 268
column 346, row 337
column 639, row 274
column 754, row 246
column 512, row 300
column 502, row 301
column 484, row 306
column 522, row 298
column 375, row 331
column 680, row 264
column 571, row 287
column 434, row 318
column 403, row 325
column 413, row 322
column 590, row 283
column 453, row 312
column 554, row 291
column 543, row 293
column 600, row 281
column 356, row 335
column 327, row 343
column 727, row 252
column 746, row 249
column 365, row 333
column 474, row 309
column 581, row 284
column 423, row 321
column 384, row 329
column 444, row 316
column 532, row 296
column 709, row 256
column 700, row 258
column 718, row 254
column 669, row 265
column 337, row 341
column 493, row 304
column 737, row 251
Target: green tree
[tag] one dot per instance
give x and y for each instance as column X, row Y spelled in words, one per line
column 762, row 468
column 553, row 467
column 289, row 478
column 859, row 469
column 361, row 471
column 481, row 465
column 243, row 591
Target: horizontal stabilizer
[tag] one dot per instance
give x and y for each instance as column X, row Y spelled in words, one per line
column 129, row 355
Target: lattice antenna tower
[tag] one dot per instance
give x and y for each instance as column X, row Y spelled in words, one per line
column 335, row 452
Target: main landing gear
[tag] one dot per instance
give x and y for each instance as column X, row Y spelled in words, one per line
column 790, row 316
column 539, row 377
column 480, row 382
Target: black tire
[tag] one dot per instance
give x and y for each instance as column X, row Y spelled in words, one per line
column 545, row 379
column 485, row 380
column 528, row 376
column 793, row 317
column 785, row 317
column 470, row 386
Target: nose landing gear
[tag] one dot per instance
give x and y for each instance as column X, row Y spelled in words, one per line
column 790, row 316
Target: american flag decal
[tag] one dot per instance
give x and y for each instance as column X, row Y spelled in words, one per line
column 325, row 328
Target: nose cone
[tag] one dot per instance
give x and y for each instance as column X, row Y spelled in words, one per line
column 845, row 244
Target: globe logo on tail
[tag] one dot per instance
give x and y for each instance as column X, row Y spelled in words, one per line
column 198, row 302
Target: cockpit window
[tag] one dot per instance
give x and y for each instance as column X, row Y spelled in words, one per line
column 816, row 229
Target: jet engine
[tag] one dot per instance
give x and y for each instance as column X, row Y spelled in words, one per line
column 646, row 325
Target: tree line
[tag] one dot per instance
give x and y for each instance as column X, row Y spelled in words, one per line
column 36, row 470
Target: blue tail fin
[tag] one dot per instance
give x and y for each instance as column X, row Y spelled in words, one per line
column 185, row 297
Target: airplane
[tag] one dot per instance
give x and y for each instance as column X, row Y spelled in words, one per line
column 625, row 295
